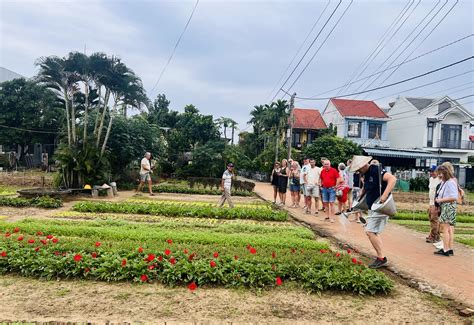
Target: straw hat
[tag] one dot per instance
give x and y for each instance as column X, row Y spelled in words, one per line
column 358, row 162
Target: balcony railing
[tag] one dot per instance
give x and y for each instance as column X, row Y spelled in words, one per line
column 364, row 142
column 450, row 144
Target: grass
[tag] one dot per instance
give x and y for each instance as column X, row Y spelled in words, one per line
column 423, row 216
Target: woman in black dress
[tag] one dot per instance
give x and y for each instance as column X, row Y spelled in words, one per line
column 274, row 178
column 283, row 181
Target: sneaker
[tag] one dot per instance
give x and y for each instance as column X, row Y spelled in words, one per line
column 307, row 211
column 378, row 263
column 430, row 240
column 337, row 213
column 442, row 252
column 316, row 213
column 450, row 252
column 438, row 244
column 362, row 220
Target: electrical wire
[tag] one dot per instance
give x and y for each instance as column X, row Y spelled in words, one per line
column 27, row 130
column 175, row 47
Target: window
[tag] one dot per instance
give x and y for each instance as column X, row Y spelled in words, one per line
column 296, row 139
column 354, row 129
column 451, row 136
column 429, row 142
column 375, row 131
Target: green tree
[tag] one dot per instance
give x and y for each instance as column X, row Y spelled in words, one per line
column 160, row 114
column 336, row 149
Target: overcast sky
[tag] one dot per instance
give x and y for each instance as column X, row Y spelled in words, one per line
column 234, row 52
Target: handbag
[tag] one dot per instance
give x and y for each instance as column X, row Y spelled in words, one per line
column 388, row 207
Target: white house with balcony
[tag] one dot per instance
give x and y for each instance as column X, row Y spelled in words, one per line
column 360, row 121
column 441, row 126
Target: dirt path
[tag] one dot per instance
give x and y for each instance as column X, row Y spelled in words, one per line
column 86, row 301
column 406, row 250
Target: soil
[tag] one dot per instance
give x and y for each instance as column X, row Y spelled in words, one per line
column 32, row 300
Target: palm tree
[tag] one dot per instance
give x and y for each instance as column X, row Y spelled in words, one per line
column 233, row 126
column 257, row 116
column 276, row 117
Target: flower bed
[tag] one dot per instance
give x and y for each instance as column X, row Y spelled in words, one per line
column 141, row 199
column 188, row 190
column 174, row 210
column 407, row 215
column 142, row 253
column 39, row 202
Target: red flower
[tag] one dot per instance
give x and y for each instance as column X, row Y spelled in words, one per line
column 323, row 251
column 140, row 250
column 16, row 229
column 44, row 242
column 173, row 261
column 150, row 257
column 7, row 234
column 160, row 258
column 97, row 244
column 236, row 257
column 151, row 267
column 94, row 255
column 49, row 236
column 359, row 262
column 293, row 251
column 252, row 250
column 169, row 241
column 192, row 256
column 20, row 238
column 248, row 246
column 77, row 257
column 192, row 286
column 39, row 233
column 274, row 255
column 56, row 253
column 3, row 254
column 216, row 255
column 55, row 240
column 185, row 251
column 278, row 281
column 87, row 270
column 167, row 252
column 348, row 251
column 31, row 241
column 338, row 254
column 37, row 249
column 354, row 260
column 213, row 264
column 144, row 278
column 124, row 262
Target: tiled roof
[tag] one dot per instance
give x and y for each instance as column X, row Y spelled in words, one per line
column 419, row 102
column 363, row 108
column 306, row 118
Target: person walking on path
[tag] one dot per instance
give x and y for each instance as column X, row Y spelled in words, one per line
column 312, row 181
column 378, row 184
column 283, row 181
column 342, row 189
column 304, row 170
column 274, row 180
column 433, row 214
column 446, row 198
column 329, row 177
column 295, row 184
column 145, row 174
column 226, row 185
column 350, row 183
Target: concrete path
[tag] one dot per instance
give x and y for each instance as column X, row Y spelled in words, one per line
column 406, row 250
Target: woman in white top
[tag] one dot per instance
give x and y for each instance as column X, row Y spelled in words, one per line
column 446, row 198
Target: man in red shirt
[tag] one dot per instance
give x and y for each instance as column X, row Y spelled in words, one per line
column 329, row 178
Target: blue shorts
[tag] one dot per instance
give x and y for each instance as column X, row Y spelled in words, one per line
column 328, row 194
column 294, row 188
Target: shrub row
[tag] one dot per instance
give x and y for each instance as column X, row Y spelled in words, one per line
column 40, row 202
column 212, row 182
column 46, row 257
column 424, row 216
column 203, row 191
column 172, row 210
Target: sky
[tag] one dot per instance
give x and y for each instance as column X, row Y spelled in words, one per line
column 234, row 53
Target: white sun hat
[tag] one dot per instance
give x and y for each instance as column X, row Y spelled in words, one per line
column 358, row 162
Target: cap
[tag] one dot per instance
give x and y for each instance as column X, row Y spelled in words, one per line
column 433, row 168
column 230, row 165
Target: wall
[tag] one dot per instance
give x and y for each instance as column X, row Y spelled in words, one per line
column 331, row 115
column 406, row 129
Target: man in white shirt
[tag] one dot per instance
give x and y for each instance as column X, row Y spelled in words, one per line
column 311, row 179
column 145, row 174
column 304, row 170
column 226, row 185
column 433, row 236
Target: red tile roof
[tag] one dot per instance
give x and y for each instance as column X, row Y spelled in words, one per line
column 366, row 108
column 306, row 118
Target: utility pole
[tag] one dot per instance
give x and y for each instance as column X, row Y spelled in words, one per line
column 292, row 118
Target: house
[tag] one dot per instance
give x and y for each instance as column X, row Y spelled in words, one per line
column 360, row 121
column 306, row 123
column 8, row 75
column 440, row 126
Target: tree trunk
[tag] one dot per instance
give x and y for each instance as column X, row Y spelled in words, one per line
column 225, row 132
column 86, row 107
column 109, row 127
column 277, row 142
column 66, row 100
column 96, row 125
column 73, row 120
column 233, row 129
column 99, row 131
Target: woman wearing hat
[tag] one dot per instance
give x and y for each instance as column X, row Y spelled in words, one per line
column 374, row 176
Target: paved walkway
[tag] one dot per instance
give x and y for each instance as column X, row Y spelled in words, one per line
column 405, row 249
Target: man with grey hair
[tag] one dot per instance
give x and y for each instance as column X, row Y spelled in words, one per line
column 145, row 174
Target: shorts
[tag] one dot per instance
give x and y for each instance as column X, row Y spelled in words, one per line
column 448, row 213
column 145, row 177
column 376, row 222
column 294, row 188
column 312, row 190
column 328, row 194
column 303, row 187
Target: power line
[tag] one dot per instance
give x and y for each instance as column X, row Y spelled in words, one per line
column 322, row 44
column 309, row 48
column 299, row 49
column 175, row 47
column 27, row 130
column 392, row 84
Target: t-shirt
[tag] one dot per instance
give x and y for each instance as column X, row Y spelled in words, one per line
column 227, row 177
column 313, row 175
column 329, row 177
column 434, row 181
column 349, row 177
column 356, row 180
column 448, row 189
column 144, row 163
column 304, row 170
column 372, row 184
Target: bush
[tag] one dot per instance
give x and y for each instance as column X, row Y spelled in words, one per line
column 40, row 202
column 212, row 182
column 188, row 190
column 419, row 183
